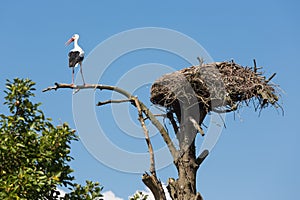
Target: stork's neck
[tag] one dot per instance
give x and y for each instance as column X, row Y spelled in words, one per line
column 76, row 46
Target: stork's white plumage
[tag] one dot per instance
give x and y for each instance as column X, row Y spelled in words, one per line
column 76, row 56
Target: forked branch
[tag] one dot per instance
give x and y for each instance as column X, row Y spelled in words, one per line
column 129, row 97
column 146, row 132
column 151, row 181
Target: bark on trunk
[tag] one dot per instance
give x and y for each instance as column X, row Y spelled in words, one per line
column 184, row 188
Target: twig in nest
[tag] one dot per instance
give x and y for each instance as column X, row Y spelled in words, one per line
column 159, row 115
column 220, row 111
column 267, row 81
column 254, row 63
column 201, row 61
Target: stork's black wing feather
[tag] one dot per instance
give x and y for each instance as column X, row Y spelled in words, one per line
column 74, row 58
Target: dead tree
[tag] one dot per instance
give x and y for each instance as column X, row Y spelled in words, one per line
column 188, row 96
column 216, row 87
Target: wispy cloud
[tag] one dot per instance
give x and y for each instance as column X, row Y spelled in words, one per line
column 109, row 195
column 61, row 192
column 150, row 195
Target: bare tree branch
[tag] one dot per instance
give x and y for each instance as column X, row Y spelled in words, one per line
column 162, row 131
column 88, row 86
column 173, row 122
column 144, row 109
column 101, row 103
column 154, row 185
column 202, row 157
column 150, row 181
column 196, row 125
column 146, row 132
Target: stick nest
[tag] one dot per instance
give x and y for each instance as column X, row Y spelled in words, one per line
column 219, row 86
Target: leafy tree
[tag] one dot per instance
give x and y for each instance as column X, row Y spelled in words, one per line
column 88, row 192
column 139, row 196
column 35, row 154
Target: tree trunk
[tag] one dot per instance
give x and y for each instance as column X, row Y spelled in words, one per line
column 184, row 188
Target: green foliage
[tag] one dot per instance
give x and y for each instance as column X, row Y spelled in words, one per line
column 139, row 196
column 34, row 154
column 88, row 192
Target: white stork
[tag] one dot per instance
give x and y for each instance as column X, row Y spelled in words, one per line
column 76, row 56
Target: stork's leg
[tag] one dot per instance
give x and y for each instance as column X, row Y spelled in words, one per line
column 72, row 75
column 82, row 74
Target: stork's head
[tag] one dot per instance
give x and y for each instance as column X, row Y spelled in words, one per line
column 74, row 37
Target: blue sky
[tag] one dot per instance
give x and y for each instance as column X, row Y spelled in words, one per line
column 257, row 157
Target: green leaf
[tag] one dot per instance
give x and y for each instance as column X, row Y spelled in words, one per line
column 20, row 145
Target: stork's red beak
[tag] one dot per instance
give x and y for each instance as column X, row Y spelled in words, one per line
column 69, row 41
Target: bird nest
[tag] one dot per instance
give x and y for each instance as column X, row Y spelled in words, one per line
column 219, row 86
